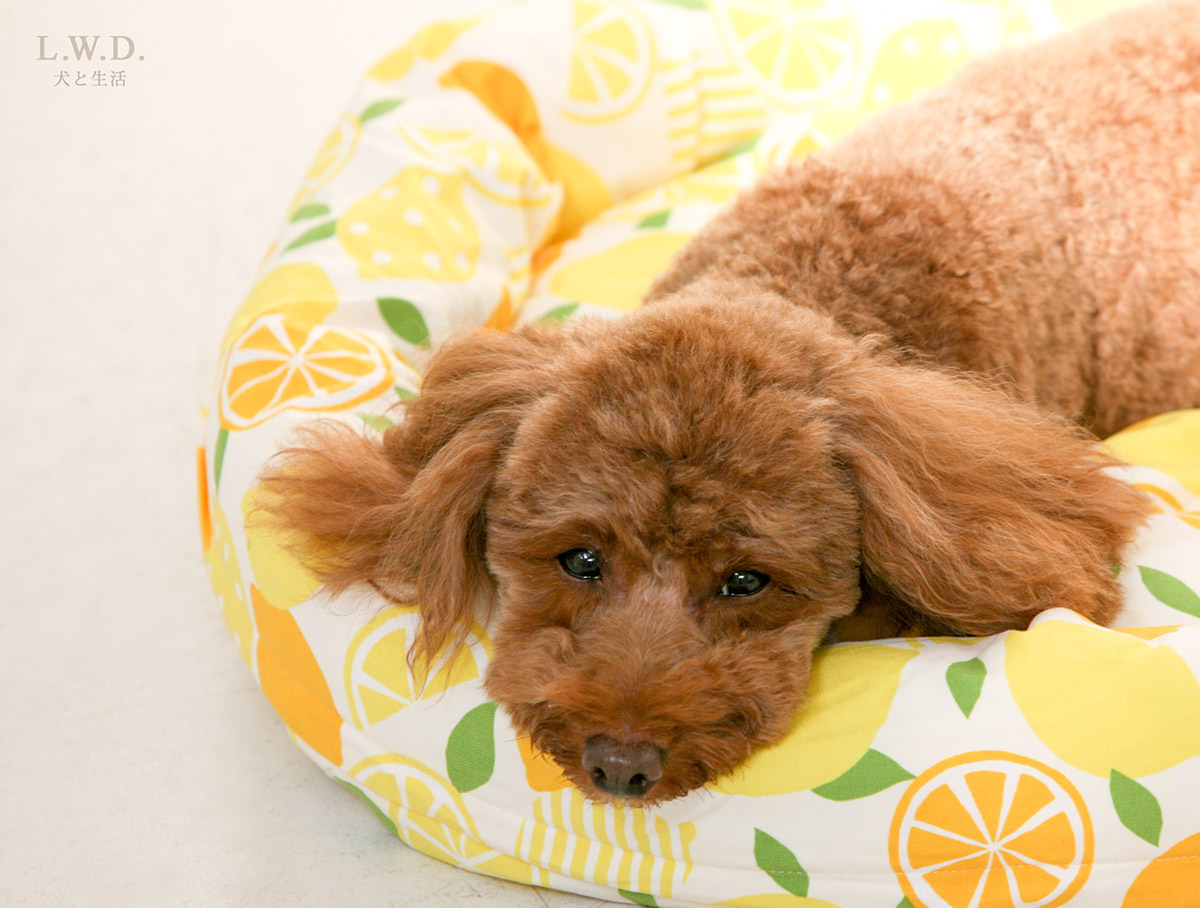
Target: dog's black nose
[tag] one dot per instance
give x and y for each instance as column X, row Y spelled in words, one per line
column 622, row 769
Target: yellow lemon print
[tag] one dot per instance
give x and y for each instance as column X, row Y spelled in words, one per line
column 380, row 680
column 509, row 100
column 280, row 577
column 293, row 682
column 1170, row 443
column 431, row 816
column 612, row 61
column 624, row 848
column 914, row 59
column 278, row 365
column 416, row 226
column 1171, row 880
column 713, row 185
column 504, row 172
column 777, row 900
column 1103, row 700
column 1076, row 12
column 304, row 291
column 428, row 44
column 226, row 578
column 850, row 695
column 332, row 156
column 618, row 277
column 990, row 828
column 796, row 52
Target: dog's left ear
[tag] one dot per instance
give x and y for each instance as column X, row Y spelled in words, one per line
column 406, row 511
column 979, row 511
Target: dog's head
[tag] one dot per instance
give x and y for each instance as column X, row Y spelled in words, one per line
column 669, row 511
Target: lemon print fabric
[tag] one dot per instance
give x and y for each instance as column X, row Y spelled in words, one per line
column 545, row 161
column 1103, row 700
column 849, row 698
column 991, row 828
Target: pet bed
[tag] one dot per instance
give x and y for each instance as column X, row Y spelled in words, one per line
column 543, row 162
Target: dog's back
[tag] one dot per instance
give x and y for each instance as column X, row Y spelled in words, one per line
column 1037, row 219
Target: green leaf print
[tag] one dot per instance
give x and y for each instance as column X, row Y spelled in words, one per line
column 379, row 423
column 1171, row 591
column 471, row 748
column 379, row 108
column 658, row 219
column 965, row 680
column 870, row 775
column 320, row 232
column 1136, row 807
column 777, row 860
column 559, row 314
column 314, row 210
column 218, row 458
column 404, row 319
column 639, row 898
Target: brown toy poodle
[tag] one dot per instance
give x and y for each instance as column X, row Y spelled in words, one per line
column 872, row 385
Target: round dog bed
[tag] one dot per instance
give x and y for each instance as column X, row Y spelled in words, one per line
column 543, row 162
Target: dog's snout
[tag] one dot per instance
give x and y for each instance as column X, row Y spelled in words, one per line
column 622, row 769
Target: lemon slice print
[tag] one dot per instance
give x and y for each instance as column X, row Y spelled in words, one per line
column 431, row 816
column 504, row 172
column 612, row 61
column 277, row 365
column 304, row 291
column 991, row 828
column 380, row 680
column 415, row 226
column 795, row 52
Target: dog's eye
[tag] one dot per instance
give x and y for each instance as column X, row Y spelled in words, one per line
column 744, row 583
column 583, row 564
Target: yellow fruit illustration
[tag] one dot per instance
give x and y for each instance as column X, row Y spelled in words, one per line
column 278, row 364
column 293, row 682
column 510, row 101
column 380, row 681
column 303, row 291
column 428, row 44
column 713, row 185
column 849, row 697
column 1171, row 880
column 991, row 828
column 777, row 900
column 916, row 58
column 431, row 816
column 624, row 848
column 618, row 277
column 504, row 172
column 796, row 52
column 416, row 226
column 226, row 578
column 1076, row 12
column 1103, row 700
column 612, row 60
column 337, row 149
column 280, row 577
column 1170, row 443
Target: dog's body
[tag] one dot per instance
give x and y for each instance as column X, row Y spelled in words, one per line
column 669, row 511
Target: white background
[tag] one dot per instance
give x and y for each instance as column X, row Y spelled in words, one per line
column 139, row 764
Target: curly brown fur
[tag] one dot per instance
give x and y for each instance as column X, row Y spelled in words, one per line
column 871, row 380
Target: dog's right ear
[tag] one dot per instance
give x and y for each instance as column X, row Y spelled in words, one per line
column 405, row 511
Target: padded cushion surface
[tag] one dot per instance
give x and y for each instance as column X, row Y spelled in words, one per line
column 544, row 162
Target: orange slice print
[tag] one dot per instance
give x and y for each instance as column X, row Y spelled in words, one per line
column 277, row 365
column 991, row 828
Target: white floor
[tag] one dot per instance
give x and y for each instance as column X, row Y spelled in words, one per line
column 139, row 765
